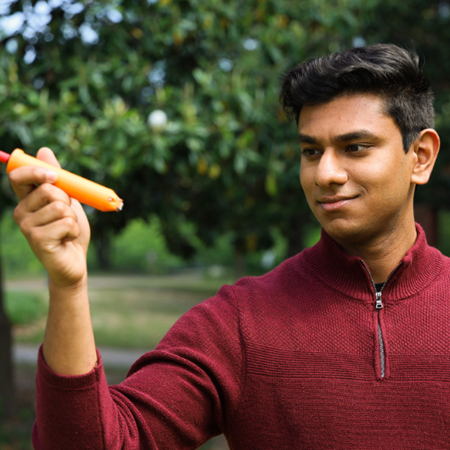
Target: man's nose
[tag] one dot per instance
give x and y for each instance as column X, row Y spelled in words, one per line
column 330, row 169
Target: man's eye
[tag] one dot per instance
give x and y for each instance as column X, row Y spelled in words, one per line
column 356, row 147
column 310, row 152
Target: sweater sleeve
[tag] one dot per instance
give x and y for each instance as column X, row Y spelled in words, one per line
column 177, row 396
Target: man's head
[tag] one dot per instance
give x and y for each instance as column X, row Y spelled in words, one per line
column 364, row 119
column 383, row 70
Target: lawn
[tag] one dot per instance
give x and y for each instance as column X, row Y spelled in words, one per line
column 127, row 311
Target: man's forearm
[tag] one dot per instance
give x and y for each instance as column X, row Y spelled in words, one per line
column 69, row 346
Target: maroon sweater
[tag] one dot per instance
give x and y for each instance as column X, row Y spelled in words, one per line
column 289, row 360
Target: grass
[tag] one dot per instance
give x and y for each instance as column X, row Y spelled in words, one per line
column 139, row 316
column 127, row 311
column 136, row 318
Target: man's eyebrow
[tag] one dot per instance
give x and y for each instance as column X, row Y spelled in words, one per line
column 306, row 139
column 361, row 134
column 354, row 135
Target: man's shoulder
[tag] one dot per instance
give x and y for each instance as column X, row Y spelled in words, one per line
column 443, row 259
column 277, row 285
column 281, row 274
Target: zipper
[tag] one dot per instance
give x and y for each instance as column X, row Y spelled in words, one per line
column 379, row 306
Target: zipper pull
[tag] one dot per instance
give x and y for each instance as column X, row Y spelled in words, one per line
column 378, row 302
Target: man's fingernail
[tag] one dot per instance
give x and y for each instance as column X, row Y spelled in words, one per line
column 51, row 176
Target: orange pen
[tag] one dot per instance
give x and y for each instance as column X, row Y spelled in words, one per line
column 83, row 190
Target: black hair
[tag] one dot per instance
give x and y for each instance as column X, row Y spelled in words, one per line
column 385, row 70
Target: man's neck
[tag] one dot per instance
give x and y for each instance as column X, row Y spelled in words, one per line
column 384, row 254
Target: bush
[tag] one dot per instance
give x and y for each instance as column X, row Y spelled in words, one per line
column 17, row 257
column 139, row 248
column 24, row 307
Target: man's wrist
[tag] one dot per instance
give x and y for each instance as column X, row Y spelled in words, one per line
column 63, row 290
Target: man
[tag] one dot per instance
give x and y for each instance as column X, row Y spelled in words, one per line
column 345, row 345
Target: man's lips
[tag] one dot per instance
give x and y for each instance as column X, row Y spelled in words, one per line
column 335, row 202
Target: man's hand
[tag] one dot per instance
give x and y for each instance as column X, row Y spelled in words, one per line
column 58, row 232
column 55, row 225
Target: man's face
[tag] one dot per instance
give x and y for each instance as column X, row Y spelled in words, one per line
column 354, row 171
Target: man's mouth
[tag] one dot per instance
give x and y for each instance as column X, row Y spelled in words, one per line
column 334, row 202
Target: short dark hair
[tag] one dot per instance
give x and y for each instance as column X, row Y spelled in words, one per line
column 385, row 70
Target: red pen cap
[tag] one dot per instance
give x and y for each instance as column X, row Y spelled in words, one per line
column 4, row 157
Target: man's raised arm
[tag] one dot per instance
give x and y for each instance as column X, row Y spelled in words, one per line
column 58, row 232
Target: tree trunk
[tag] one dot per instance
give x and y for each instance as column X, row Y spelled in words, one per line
column 102, row 245
column 6, row 363
column 427, row 217
column 295, row 235
column 239, row 264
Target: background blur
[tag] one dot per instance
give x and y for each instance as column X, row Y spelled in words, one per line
column 174, row 105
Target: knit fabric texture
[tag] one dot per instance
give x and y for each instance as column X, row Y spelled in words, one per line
column 289, row 360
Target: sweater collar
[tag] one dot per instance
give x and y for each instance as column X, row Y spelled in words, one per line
column 348, row 274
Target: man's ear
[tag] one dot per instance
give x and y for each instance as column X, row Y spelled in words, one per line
column 426, row 148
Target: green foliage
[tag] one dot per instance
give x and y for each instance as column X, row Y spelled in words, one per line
column 17, row 257
column 140, row 247
column 224, row 159
column 444, row 232
column 222, row 155
column 25, row 307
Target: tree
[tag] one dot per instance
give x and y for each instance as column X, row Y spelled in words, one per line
column 172, row 104
column 14, row 131
column 99, row 69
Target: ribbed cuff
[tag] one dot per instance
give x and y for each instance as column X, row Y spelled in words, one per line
column 69, row 381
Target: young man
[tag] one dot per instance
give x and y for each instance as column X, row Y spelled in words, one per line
column 345, row 345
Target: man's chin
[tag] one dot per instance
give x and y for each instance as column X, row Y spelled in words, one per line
column 344, row 232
